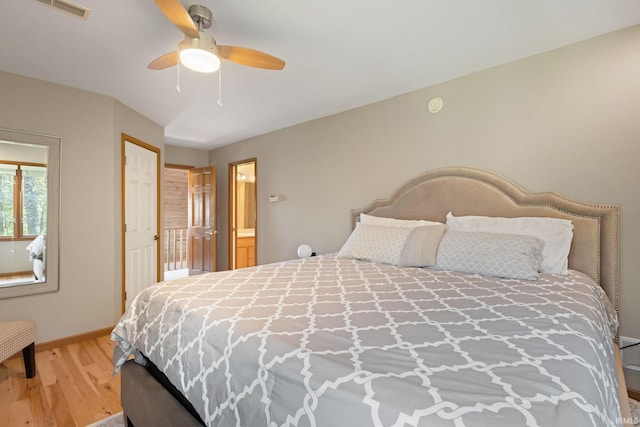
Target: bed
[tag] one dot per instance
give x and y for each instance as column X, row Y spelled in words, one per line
column 344, row 339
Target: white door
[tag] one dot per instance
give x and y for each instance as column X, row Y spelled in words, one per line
column 141, row 219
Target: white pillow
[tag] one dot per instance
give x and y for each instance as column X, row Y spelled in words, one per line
column 375, row 243
column 554, row 232
column 514, row 256
column 393, row 222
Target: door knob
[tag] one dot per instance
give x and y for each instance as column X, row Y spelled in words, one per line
column 156, row 237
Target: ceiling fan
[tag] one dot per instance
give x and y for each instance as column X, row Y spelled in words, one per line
column 199, row 51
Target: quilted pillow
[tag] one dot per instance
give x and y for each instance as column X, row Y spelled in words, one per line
column 556, row 234
column 491, row 254
column 394, row 222
column 375, row 243
column 421, row 246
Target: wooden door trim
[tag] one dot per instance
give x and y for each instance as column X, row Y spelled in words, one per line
column 124, row 138
column 177, row 166
column 233, row 208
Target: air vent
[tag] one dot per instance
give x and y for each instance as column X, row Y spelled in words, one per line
column 67, row 6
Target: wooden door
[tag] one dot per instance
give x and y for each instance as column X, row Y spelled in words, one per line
column 202, row 220
column 140, row 211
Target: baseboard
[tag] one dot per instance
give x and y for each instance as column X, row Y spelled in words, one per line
column 73, row 339
column 633, row 394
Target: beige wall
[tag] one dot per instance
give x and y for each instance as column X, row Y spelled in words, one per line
column 565, row 121
column 185, row 156
column 89, row 125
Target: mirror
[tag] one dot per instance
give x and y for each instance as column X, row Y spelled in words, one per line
column 29, row 213
column 246, row 199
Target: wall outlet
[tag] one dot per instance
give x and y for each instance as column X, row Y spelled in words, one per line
column 631, row 355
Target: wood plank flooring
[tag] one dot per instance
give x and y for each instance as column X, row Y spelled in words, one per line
column 73, row 387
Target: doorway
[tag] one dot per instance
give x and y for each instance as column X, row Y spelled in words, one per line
column 140, row 164
column 175, row 211
column 242, row 214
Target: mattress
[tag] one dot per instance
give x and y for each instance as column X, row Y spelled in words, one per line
column 329, row 341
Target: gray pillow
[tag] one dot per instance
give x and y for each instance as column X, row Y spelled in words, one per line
column 421, row 246
column 375, row 243
column 512, row 256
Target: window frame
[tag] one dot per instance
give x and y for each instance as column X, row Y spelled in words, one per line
column 18, row 201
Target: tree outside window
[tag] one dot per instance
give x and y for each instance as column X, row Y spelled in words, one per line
column 34, row 200
column 7, row 196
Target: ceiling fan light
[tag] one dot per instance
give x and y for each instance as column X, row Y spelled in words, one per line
column 199, row 55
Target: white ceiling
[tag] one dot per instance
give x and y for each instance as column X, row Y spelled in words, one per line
column 340, row 54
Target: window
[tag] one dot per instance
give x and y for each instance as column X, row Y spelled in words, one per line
column 23, row 200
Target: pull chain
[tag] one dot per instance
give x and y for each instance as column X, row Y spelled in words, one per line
column 178, row 85
column 220, row 85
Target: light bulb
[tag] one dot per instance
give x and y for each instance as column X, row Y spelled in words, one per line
column 200, row 54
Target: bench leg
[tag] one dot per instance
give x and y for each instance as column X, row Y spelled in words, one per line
column 29, row 356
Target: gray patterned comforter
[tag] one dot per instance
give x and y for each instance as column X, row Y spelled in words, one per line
column 335, row 342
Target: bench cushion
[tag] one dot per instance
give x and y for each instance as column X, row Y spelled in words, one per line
column 15, row 336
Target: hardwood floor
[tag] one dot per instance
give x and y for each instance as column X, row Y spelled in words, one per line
column 73, row 386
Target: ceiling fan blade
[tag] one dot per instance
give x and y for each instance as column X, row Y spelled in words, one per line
column 176, row 13
column 250, row 57
column 165, row 61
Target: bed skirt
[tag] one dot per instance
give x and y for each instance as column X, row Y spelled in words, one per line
column 153, row 402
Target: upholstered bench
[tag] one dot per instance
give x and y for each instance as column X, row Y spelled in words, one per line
column 16, row 336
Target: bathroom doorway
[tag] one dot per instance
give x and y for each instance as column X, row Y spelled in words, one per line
column 242, row 214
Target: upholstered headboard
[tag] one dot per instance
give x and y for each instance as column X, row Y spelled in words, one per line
column 468, row 191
